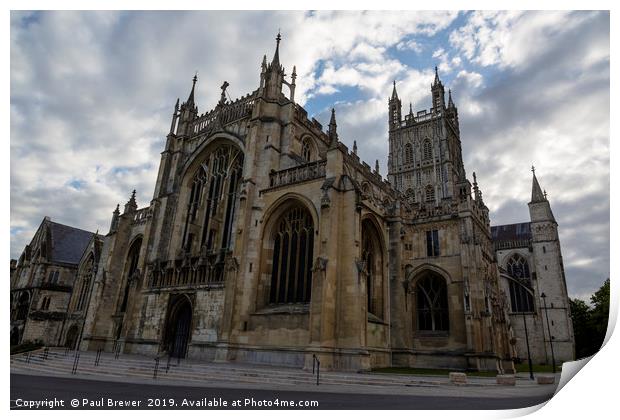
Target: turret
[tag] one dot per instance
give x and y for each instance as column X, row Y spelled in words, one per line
column 540, row 209
column 274, row 74
column 438, row 94
column 114, row 222
column 395, row 110
column 332, row 133
column 189, row 110
column 131, row 205
column 175, row 116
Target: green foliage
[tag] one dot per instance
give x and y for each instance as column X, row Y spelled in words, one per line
column 590, row 323
column 525, row 368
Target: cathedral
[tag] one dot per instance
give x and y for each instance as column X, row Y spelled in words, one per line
column 268, row 241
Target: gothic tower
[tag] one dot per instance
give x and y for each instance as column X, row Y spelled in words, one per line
column 425, row 160
column 548, row 271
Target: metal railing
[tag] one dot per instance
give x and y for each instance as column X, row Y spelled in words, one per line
column 316, row 362
column 76, row 362
column 156, row 368
column 98, row 357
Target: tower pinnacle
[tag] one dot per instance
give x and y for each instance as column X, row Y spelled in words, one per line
column 394, row 94
column 537, row 193
column 333, row 134
column 190, row 98
column 276, row 55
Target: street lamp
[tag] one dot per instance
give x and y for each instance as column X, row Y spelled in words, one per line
column 543, row 296
column 527, row 343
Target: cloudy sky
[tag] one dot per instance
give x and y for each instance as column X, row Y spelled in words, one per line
column 92, row 95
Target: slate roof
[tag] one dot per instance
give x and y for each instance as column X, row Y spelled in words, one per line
column 516, row 235
column 68, row 243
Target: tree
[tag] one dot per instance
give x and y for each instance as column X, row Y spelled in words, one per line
column 580, row 314
column 590, row 323
column 600, row 312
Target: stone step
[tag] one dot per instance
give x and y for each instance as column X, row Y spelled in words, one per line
column 224, row 369
column 222, row 374
column 213, row 378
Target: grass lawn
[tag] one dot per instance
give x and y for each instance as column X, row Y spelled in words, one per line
column 524, row 368
column 436, row 372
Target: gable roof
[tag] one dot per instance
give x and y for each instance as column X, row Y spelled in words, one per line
column 516, row 235
column 68, row 243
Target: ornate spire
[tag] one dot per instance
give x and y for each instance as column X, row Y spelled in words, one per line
column 537, row 193
column 333, row 134
column 276, row 55
column 377, row 166
column 190, row 99
column 410, row 109
column 114, row 222
column 131, row 205
column 394, row 94
column 354, row 147
column 437, row 81
column 450, row 102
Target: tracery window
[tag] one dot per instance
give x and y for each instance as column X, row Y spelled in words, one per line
column 85, row 277
column 373, row 268
column 306, row 150
column 408, row 154
column 430, row 194
column 131, row 267
column 432, row 303
column 212, row 198
column 521, row 294
column 427, row 152
column 293, row 243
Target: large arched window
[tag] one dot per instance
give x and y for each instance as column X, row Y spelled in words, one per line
column 85, row 276
column 408, row 154
column 372, row 256
column 432, row 303
column 291, row 272
column 521, row 294
column 213, row 192
column 131, row 268
column 427, row 150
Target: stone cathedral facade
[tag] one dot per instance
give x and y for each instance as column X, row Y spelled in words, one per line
column 268, row 241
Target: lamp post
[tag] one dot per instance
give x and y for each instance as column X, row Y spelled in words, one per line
column 543, row 296
column 527, row 343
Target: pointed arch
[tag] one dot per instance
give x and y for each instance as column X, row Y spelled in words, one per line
column 288, row 251
column 130, row 270
column 408, row 154
column 373, row 259
column 519, row 283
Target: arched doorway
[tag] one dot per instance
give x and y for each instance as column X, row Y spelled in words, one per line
column 71, row 337
column 15, row 336
column 179, row 328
